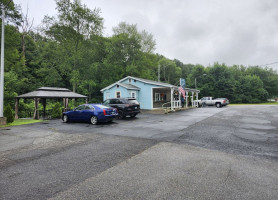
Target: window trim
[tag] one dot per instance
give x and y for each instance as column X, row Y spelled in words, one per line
column 155, row 97
column 133, row 92
column 116, row 94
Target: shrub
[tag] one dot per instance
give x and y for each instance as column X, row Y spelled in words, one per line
column 8, row 112
column 56, row 111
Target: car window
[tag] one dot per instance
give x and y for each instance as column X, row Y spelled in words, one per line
column 112, row 101
column 87, row 107
column 92, row 107
column 107, row 101
column 82, row 107
column 120, row 101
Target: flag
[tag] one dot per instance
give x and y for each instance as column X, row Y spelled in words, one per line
column 182, row 83
column 182, row 91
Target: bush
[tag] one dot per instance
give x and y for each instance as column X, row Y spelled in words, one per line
column 8, row 112
column 56, row 111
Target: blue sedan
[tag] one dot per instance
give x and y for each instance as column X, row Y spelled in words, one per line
column 93, row 113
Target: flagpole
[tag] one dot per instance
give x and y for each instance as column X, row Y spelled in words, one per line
column 2, row 64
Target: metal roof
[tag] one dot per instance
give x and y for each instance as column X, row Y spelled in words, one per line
column 51, row 92
column 129, row 86
column 142, row 80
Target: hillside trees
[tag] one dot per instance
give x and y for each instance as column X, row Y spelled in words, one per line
column 75, row 24
column 72, row 53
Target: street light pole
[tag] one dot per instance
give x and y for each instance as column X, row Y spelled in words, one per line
column 195, row 84
column 2, row 65
column 2, row 62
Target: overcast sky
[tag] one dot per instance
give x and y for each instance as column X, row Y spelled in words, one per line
column 193, row 31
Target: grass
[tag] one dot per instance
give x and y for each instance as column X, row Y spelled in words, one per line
column 18, row 122
column 244, row 104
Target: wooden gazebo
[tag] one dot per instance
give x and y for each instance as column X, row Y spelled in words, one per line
column 44, row 93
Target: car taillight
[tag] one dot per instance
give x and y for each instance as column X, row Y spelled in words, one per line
column 104, row 112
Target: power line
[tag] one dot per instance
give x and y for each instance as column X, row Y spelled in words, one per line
column 270, row 63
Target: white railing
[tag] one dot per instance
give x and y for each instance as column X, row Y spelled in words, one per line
column 175, row 104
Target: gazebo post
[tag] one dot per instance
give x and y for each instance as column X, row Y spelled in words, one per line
column 36, row 112
column 16, row 108
column 66, row 103
column 44, row 106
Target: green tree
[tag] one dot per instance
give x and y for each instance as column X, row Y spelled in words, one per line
column 75, row 24
column 9, row 114
column 145, row 39
column 12, row 11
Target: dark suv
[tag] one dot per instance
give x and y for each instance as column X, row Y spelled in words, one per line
column 125, row 106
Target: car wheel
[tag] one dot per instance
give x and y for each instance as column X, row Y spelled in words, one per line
column 121, row 115
column 218, row 105
column 94, row 120
column 65, row 118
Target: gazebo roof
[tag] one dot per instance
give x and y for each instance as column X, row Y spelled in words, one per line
column 51, row 92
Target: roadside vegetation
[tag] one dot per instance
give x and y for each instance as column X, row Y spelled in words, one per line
column 18, row 122
column 69, row 50
column 244, row 104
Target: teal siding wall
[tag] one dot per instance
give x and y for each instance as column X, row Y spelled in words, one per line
column 112, row 92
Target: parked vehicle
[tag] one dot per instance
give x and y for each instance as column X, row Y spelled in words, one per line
column 93, row 113
column 125, row 106
column 226, row 102
column 209, row 101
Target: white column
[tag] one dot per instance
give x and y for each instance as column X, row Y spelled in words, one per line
column 179, row 99
column 192, row 99
column 186, row 99
column 171, row 98
column 197, row 95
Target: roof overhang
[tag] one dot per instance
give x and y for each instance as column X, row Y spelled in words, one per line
column 155, row 83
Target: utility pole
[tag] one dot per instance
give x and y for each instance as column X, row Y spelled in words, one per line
column 195, row 84
column 158, row 73
column 2, row 119
column 2, row 65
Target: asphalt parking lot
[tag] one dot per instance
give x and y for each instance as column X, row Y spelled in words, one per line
column 206, row 153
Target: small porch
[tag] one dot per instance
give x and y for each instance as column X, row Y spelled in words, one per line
column 171, row 97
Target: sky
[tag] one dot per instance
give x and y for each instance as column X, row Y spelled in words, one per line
column 192, row 31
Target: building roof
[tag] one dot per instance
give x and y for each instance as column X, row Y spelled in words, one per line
column 129, row 86
column 51, row 92
column 139, row 79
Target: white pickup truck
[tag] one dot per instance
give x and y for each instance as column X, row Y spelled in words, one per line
column 209, row 101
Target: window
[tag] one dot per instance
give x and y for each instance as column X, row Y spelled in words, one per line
column 129, row 80
column 118, row 94
column 157, row 97
column 106, row 102
column 82, row 107
column 133, row 94
column 160, row 97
